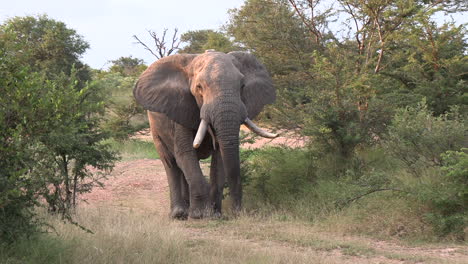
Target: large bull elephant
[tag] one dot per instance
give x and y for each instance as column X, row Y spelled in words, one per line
column 187, row 95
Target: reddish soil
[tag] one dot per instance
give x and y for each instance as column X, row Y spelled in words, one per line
column 136, row 185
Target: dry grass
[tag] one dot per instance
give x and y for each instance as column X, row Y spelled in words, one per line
column 126, row 236
column 135, row 237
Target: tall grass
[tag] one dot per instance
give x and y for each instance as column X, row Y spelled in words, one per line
column 135, row 237
column 373, row 195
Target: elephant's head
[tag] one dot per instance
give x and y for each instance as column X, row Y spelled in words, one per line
column 213, row 90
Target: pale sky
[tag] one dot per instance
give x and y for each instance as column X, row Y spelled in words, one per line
column 108, row 25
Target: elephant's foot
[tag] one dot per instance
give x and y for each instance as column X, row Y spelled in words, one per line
column 200, row 211
column 179, row 213
column 196, row 213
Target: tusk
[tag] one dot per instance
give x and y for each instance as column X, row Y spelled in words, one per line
column 254, row 128
column 200, row 134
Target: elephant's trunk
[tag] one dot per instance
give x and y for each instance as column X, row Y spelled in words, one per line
column 229, row 148
column 226, row 121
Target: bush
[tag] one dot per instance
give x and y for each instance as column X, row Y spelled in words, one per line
column 448, row 195
column 428, row 147
column 277, row 176
column 417, row 138
column 124, row 116
column 49, row 125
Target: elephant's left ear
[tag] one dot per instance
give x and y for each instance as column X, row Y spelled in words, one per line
column 258, row 90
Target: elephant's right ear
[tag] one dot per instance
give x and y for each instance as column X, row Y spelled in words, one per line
column 165, row 88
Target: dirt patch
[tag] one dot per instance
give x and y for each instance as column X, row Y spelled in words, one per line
column 136, row 185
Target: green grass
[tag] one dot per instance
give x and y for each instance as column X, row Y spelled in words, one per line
column 134, row 149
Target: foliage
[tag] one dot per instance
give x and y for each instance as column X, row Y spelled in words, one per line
column 447, row 195
column 341, row 84
column 128, row 66
column 199, row 41
column 277, row 185
column 418, row 138
column 46, row 45
column 50, row 135
column 124, row 116
column 20, row 119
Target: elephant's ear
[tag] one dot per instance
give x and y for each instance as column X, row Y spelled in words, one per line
column 258, row 90
column 165, row 88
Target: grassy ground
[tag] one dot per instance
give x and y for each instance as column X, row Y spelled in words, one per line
column 126, row 232
column 133, row 149
column 125, row 236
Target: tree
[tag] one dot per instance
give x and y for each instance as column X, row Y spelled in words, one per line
column 128, row 66
column 161, row 45
column 123, row 114
column 342, row 86
column 50, row 135
column 47, row 45
column 200, row 40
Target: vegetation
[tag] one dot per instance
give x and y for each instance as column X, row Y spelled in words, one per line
column 378, row 88
column 381, row 99
column 50, row 117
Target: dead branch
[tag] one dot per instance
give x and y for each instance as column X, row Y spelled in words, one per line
column 342, row 204
column 162, row 48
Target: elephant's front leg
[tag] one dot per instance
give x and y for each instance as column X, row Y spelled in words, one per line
column 187, row 160
column 217, row 180
column 177, row 190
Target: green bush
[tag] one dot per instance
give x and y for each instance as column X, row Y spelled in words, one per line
column 123, row 115
column 428, row 147
column 448, row 195
column 49, row 124
column 277, row 176
column 418, row 138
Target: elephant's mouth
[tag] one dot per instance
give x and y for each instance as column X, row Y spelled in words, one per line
column 204, row 127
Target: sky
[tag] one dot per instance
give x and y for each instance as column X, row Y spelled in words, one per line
column 108, row 25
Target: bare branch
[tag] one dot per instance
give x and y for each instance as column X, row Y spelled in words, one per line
column 160, row 43
column 144, row 45
column 344, row 203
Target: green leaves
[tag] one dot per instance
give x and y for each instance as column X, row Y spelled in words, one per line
column 49, row 123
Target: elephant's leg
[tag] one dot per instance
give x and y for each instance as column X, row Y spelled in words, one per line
column 187, row 161
column 217, row 180
column 175, row 179
column 185, row 190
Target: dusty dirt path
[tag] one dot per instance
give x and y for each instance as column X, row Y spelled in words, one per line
column 141, row 185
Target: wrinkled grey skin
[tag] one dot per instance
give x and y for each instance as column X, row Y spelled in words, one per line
column 222, row 89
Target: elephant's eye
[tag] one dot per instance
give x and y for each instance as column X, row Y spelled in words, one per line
column 199, row 88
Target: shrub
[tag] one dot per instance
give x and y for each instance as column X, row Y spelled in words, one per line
column 448, row 195
column 49, row 125
column 277, row 176
column 417, row 138
column 429, row 147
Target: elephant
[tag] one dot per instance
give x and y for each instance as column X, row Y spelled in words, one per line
column 185, row 96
